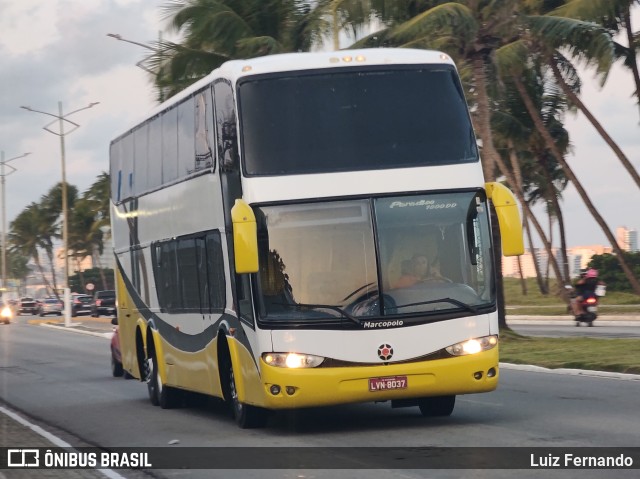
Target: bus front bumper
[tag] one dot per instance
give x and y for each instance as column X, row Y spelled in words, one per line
column 286, row 388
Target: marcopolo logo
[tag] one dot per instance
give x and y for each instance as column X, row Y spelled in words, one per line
column 382, row 324
column 23, row 458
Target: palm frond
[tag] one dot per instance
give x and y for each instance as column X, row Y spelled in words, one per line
column 446, row 19
column 586, row 41
column 258, row 47
column 512, row 59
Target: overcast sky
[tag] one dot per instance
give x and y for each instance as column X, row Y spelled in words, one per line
column 58, row 50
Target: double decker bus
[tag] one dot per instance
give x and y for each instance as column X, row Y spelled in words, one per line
column 266, row 222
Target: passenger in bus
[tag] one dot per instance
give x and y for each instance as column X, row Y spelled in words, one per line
column 417, row 270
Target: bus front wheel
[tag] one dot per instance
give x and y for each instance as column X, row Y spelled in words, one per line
column 246, row 416
column 437, row 406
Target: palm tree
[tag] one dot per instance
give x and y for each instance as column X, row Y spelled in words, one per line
column 349, row 16
column 565, row 73
column 512, row 62
column 25, row 237
column 95, row 219
column 48, row 227
column 215, row 31
column 470, row 31
column 520, row 145
column 83, row 234
column 615, row 15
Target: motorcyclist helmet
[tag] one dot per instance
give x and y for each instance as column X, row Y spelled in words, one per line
column 592, row 273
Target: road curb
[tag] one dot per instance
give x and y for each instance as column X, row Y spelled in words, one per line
column 106, row 335
column 571, row 372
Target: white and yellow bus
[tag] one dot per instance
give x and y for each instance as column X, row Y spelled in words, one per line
column 264, row 222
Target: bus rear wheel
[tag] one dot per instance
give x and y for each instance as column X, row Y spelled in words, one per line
column 159, row 394
column 437, row 406
column 246, row 416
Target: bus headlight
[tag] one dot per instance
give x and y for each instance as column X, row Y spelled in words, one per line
column 473, row 346
column 292, row 360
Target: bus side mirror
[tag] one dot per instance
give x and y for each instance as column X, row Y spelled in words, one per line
column 245, row 238
column 508, row 218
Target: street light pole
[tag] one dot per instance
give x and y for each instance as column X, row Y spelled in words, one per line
column 4, row 162
column 61, row 119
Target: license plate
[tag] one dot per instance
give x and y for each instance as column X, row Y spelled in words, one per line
column 592, row 309
column 388, row 383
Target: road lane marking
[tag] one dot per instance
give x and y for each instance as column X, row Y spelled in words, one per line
column 55, row 440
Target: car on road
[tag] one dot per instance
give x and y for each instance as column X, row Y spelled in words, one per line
column 50, row 306
column 28, row 305
column 104, row 302
column 6, row 312
column 116, row 356
column 81, row 304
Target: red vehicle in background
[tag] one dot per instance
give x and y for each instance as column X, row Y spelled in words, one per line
column 116, row 356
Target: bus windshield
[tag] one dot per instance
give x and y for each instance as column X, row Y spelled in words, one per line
column 409, row 256
column 355, row 119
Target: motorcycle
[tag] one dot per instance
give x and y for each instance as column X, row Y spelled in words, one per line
column 589, row 306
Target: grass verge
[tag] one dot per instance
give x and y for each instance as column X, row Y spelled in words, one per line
column 613, row 355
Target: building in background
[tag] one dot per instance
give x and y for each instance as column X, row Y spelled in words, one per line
column 578, row 257
column 627, row 238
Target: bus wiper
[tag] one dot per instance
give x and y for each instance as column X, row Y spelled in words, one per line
column 357, row 290
column 468, row 307
column 300, row 306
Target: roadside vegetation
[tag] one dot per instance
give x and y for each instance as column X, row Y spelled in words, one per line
column 613, row 355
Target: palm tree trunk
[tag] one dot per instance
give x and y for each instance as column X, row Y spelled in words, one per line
column 612, row 144
column 537, row 120
column 53, row 270
column 563, row 243
column 553, row 198
column 80, row 275
column 517, row 172
column 483, row 122
column 102, row 276
column 46, row 282
column 523, row 281
column 632, row 53
column 489, row 158
column 334, row 26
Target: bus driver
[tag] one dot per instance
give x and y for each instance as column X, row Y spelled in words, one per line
column 417, row 270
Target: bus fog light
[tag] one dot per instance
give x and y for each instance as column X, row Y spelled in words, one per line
column 477, row 375
column 275, row 389
column 292, row 360
column 491, row 373
column 290, row 390
column 473, row 346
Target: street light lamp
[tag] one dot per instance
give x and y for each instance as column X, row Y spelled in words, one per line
column 65, row 214
column 140, row 64
column 4, row 162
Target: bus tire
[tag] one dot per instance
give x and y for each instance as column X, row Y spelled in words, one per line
column 246, row 416
column 159, row 394
column 437, row 406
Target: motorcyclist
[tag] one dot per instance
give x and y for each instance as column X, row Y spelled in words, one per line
column 585, row 287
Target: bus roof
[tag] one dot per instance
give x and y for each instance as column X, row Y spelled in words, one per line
column 284, row 62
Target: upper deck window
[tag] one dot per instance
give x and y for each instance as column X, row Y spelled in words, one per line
column 350, row 120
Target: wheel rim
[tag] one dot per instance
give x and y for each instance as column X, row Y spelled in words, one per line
column 154, row 383
column 237, row 405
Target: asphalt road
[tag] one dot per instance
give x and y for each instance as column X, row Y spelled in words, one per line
column 62, row 381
